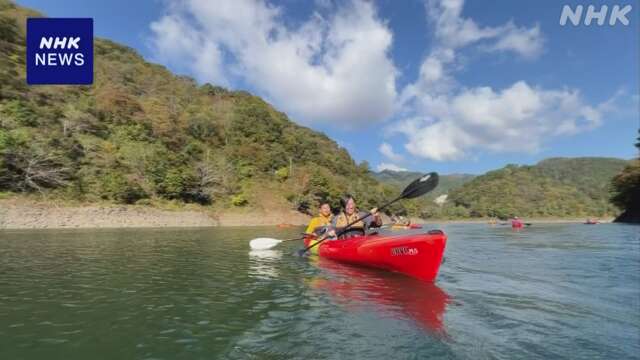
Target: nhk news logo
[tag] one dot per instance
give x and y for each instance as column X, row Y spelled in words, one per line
column 617, row 14
column 59, row 51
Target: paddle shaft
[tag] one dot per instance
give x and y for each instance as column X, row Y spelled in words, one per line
column 294, row 239
column 346, row 228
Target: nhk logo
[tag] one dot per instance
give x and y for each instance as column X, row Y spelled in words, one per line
column 59, row 51
column 618, row 14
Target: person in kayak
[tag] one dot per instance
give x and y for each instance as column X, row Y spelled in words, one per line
column 318, row 226
column 516, row 223
column 350, row 214
column 323, row 219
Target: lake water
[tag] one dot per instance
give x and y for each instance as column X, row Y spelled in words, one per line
column 549, row 291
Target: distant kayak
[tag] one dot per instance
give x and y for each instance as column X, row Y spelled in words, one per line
column 517, row 224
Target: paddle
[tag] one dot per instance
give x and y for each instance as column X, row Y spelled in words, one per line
column 417, row 188
column 268, row 243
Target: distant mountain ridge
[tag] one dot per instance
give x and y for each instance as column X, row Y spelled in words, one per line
column 555, row 187
column 400, row 179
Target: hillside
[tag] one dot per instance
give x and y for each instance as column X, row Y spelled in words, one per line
column 400, row 179
column 590, row 175
column 626, row 190
column 142, row 135
column 557, row 187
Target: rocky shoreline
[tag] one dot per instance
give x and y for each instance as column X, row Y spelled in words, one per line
column 19, row 215
column 40, row 215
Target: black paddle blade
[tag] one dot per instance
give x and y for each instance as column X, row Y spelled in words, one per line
column 421, row 186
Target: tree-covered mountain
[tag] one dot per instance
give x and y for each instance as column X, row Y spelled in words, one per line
column 140, row 134
column 400, row 179
column 557, row 187
column 626, row 190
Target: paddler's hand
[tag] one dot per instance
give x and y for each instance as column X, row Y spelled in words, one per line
column 331, row 233
column 377, row 220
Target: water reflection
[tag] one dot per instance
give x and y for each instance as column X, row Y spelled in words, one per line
column 263, row 263
column 391, row 295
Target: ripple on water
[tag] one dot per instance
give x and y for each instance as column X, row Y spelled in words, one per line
column 549, row 291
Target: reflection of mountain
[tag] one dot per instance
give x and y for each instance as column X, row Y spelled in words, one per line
column 391, row 295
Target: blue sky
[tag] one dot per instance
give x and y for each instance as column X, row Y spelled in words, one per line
column 446, row 86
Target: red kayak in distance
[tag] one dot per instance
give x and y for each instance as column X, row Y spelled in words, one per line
column 399, row 297
column 417, row 255
column 517, row 224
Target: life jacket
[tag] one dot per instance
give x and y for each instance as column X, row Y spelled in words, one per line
column 316, row 226
column 342, row 220
column 318, row 222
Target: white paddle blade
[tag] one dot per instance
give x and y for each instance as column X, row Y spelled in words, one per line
column 263, row 243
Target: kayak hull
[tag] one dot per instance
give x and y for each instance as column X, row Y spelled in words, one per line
column 415, row 255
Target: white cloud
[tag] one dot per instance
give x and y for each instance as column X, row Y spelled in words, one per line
column 528, row 43
column 337, row 69
column 387, row 150
column 186, row 49
column 453, row 31
column 516, row 119
column 448, row 121
column 389, row 166
column 334, row 69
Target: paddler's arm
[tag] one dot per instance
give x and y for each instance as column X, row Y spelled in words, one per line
column 332, row 229
column 313, row 224
column 374, row 220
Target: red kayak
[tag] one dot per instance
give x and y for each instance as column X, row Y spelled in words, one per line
column 416, row 255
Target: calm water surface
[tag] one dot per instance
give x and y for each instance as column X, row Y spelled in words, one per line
column 549, row 291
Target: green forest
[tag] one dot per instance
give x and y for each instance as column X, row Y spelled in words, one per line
column 142, row 135
column 626, row 190
column 555, row 187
